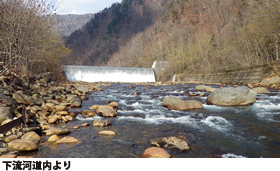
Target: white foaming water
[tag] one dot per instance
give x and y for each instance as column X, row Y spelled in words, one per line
column 161, row 119
column 266, row 105
column 109, row 74
column 79, row 117
column 229, row 155
column 217, row 122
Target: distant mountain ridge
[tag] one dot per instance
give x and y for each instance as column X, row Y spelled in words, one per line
column 72, row 22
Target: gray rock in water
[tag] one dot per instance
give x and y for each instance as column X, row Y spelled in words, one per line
column 239, row 96
column 174, row 103
column 76, row 103
column 101, row 123
column 170, row 142
column 5, row 113
column 82, row 89
column 106, row 111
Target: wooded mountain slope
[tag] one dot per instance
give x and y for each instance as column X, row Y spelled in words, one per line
column 196, row 36
column 71, row 22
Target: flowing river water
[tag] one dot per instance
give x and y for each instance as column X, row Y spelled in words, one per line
column 250, row 131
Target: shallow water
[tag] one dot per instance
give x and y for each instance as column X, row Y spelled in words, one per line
column 251, row 131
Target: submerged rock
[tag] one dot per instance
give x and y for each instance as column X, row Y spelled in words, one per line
column 53, row 138
column 155, row 152
column 174, row 103
column 107, row 133
column 67, row 140
column 239, row 96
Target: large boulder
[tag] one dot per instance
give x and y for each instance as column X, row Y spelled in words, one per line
column 5, row 113
column 239, row 96
column 106, row 111
column 22, row 145
column 174, row 103
column 155, row 152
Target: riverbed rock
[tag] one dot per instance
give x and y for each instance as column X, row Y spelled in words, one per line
column 53, row 119
column 205, row 88
column 22, row 145
column 155, row 152
column 107, row 133
column 24, row 99
column 69, row 118
column 260, row 90
column 93, row 107
column 32, row 136
column 63, row 113
column 6, row 121
column 67, row 140
column 9, row 138
column 239, row 96
column 82, row 90
column 89, row 113
column 57, row 131
column 114, row 105
column 174, row 103
column 106, row 111
column 53, row 138
column 84, row 124
column 5, row 113
column 170, row 142
column 101, row 123
column 76, row 103
column 9, row 102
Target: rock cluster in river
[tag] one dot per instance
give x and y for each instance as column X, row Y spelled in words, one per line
column 46, row 103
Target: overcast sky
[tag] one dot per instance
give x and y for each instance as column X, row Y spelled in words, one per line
column 83, row 6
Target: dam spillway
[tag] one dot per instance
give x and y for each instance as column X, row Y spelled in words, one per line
column 108, row 74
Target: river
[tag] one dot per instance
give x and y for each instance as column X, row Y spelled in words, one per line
column 249, row 132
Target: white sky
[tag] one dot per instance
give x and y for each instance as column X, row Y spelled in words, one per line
column 83, row 6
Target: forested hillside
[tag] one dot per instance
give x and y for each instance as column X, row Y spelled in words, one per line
column 72, row 22
column 196, row 36
column 111, row 28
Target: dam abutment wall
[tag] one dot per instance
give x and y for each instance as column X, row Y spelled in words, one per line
column 246, row 76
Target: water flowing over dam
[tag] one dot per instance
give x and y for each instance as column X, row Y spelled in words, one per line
column 108, row 74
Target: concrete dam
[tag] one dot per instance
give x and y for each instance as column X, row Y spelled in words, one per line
column 108, row 74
